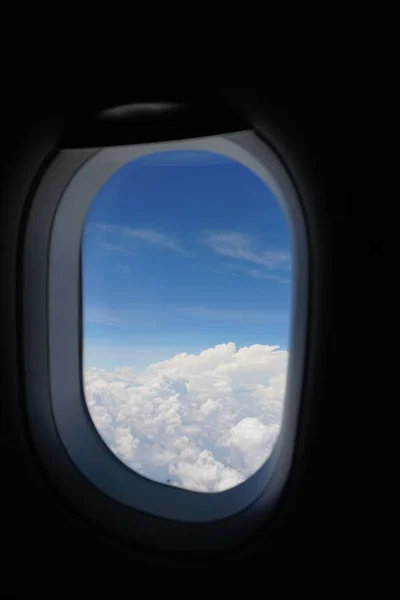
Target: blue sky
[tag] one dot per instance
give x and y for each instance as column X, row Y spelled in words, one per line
column 183, row 251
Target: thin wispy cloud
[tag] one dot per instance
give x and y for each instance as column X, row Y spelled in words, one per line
column 151, row 236
column 125, row 317
column 226, row 314
column 102, row 315
column 123, row 268
column 259, row 274
column 114, row 248
column 120, row 317
column 238, row 245
column 238, row 268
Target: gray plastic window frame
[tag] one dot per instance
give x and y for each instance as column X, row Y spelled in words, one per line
column 64, row 434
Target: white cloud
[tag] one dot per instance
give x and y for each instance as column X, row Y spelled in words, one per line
column 114, row 248
column 125, row 316
column 202, row 421
column 259, row 274
column 150, row 236
column 227, row 314
column 238, row 245
column 102, row 315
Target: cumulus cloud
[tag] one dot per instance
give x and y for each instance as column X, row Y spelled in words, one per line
column 203, row 422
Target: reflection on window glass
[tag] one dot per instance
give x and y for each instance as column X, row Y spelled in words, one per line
column 186, row 262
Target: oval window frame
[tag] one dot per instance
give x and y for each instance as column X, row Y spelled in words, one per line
column 69, row 186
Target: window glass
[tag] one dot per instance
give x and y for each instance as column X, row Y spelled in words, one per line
column 186, row 284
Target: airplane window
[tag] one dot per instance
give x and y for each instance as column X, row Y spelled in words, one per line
column 186, row 298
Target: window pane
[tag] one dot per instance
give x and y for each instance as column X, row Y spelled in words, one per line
column 186, row 263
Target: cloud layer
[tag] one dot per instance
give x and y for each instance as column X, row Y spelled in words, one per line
column 203, row 422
